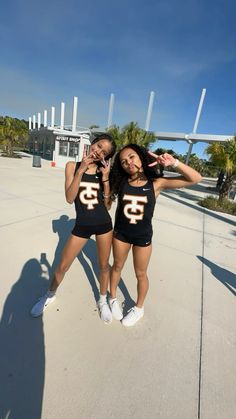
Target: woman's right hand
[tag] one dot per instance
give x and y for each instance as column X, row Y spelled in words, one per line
column 164, row 159
column 85, row 162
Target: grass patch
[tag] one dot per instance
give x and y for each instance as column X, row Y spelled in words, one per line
column 14, row 155
column 214, row 204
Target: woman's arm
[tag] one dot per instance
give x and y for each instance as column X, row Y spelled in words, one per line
column 189, row 176
column 105, row 170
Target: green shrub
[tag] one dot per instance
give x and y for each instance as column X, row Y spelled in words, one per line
column 215, row 204
column 14, row 155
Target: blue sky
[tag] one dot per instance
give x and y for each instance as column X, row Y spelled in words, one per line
column 54, row 50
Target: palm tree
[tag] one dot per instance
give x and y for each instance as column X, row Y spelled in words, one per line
column 196, row 163
column 12, row 132
column 223, row 155
column 116, row 134
column 131, row 133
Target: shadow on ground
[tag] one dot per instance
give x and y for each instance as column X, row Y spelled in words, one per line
column 22, row 358
column 227, row 278
column 22, row 355
column 184, row 194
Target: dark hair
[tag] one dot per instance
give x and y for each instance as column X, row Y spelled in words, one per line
column 108, row 137
column 119, row 175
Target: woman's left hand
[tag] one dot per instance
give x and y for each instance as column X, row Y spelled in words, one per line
column 164, row 159
column 105, row 170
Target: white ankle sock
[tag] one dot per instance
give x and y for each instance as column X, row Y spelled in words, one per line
column 112, row 300
column 139, row 308
column 103, row 298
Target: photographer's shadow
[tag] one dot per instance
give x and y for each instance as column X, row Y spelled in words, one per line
column 22, row 357
column 227, row 278
column 87, row 257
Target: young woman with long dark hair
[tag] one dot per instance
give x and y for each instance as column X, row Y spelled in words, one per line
column 137, row 183
column 87, row 185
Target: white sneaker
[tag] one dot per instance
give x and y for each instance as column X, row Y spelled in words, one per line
column 105, row 312
column 134, row 315
column 115, row 308
column 41, row 305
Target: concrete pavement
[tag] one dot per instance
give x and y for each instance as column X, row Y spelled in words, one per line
column 177, row 363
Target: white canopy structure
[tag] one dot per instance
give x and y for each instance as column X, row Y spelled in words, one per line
column 193, row 137
column 73, row 133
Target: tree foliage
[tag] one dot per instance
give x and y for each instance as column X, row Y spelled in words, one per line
column 13, row 132
column 223, row 155
column 131, row 133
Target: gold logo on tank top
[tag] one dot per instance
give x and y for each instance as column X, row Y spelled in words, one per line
column 89, row 195
column 134, row 209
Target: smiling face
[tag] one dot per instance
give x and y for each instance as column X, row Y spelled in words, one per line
column 101, row 149
column 130, row 161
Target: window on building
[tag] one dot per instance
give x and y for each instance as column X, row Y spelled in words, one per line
column 86, row 148
column 63, row 147
column 47, row 146
column 73, row 149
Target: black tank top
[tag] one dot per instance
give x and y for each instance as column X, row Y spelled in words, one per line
column 89, row 205
column 135, row 210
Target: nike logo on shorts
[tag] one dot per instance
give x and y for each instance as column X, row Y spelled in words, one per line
column 146, row 189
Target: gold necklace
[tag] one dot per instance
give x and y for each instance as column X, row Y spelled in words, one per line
column 141, row 176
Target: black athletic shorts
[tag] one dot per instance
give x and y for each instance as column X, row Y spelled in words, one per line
column 87, row 231
column 141, row 241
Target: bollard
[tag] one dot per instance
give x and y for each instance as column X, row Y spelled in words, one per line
column 36, row 161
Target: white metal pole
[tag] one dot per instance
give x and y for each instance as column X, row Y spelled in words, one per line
column 110, row 111
column 30, row 123
column 45, row 117
column 62, row 114
column 74, row 115
column 199, row 110
column 52, row 116
column 39, row 120
column 149, row 111
column 189, row 152
column 34, row 121
column 196, row 123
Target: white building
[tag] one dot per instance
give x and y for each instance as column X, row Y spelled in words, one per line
column 59, row 145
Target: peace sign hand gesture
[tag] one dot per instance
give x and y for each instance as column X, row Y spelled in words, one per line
column 105, row 170
column 164, row 159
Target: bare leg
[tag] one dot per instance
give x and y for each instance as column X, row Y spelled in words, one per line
column 70, row 251
column 73, row 246
column 104, row 249
column 120, row 254
column 141, row 257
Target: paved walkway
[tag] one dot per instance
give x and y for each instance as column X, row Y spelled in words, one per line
column 177, row 363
